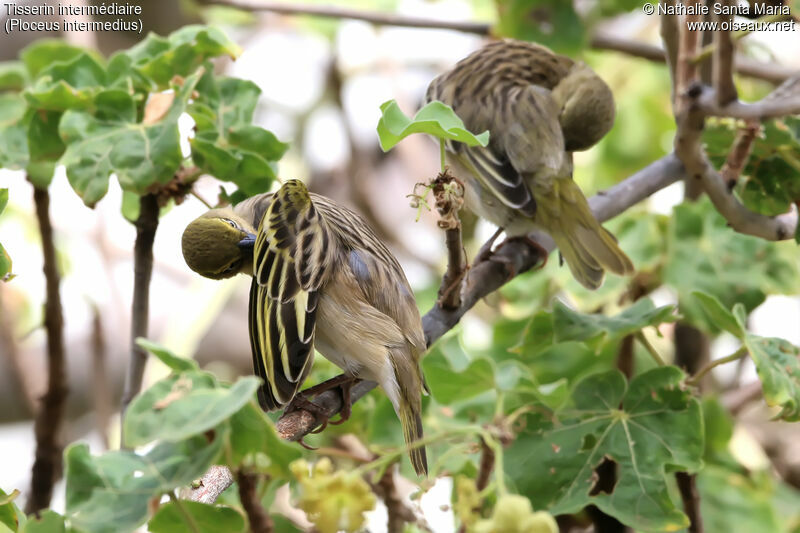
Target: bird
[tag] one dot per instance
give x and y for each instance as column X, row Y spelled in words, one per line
column 538, row 107
column 321, row 279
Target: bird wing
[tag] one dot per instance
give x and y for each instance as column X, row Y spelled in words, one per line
column 526, row 139
column 291, row 263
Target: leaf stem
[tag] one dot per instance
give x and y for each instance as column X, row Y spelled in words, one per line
column 649, row 347
column 735, row 356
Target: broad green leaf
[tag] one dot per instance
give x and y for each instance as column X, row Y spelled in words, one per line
column 564, row 324
column 139, row 154
column 732, row 501
column 435, row 119
column 550, row 22
column 111, row 492
column 195, row 517
column 704, row 254
column 252, row 433
column 45, row 146
column 182, row 405
column 649, row 428
column 13, row 76
column 14, row 119
column 174, row 362
column 68, row 85
column 779, row 371
column 48, row 522
column 44, row 53
column 717, row 313
column 11, row 516
column 452, row 376
column 226, row 144
column 155, row 61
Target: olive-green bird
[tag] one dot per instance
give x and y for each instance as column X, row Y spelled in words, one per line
column 539, row 107
column 321, row 279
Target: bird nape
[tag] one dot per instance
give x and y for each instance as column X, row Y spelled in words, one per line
column 322, row 280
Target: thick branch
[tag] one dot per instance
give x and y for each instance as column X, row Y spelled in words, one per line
column 486, row 276
column 257, row 516
column 47, row 465
column 146, row 226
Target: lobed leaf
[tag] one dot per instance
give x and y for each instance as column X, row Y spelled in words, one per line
column 194, row 517
column 649, row 428
column 435, row 119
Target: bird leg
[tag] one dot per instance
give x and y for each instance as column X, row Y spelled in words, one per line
column 486, row 252
column 302, row 400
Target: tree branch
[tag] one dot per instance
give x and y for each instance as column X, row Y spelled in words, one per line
column 47, row 465
column 486, row 276
column 691, row 500
column 215, row 481
column 257, row 516
column 723, row 61
column 146, row 226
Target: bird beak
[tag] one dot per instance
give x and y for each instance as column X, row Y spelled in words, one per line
column 247, row 243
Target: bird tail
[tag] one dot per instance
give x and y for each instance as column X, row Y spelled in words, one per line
column 407, row 401
column 587, row 247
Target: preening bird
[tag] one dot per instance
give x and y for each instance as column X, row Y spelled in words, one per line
column 321, row 279
column 539, row 107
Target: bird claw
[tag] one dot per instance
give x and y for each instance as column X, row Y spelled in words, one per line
column 302, row 401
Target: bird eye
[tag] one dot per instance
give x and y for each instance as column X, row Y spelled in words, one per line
column 233, row 267
column 229, row 221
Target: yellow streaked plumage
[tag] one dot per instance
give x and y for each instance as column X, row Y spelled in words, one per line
column 539, row 107
column 321, row 279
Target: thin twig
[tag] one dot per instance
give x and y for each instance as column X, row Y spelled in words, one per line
column 486, row 467
column 723, row 62
column 47, row 465
column 691, row 500
column 449, row 194
column 739, row 154
column 738, row 354
column 260, row 521
column 146, row 226
column 102, row 393
column 650, row 349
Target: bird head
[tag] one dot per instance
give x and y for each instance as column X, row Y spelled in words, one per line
column 219, row 244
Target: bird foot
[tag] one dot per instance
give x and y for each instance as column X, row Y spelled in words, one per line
column 487, row 254
column 303, row 401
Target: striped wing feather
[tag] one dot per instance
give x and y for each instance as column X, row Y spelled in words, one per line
column 290, row 266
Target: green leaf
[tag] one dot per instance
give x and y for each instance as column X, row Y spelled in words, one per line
column 174, row 362
column 779, row 371
column 139, row 154
column 704, row 254
column 45, row 147
column 553, row 23
column 5, row 259
column 14, row 118
column 730, row 501
column 182, row 405
column 13, row 76
column 452, row 375
column 226, row 144
column 11, row 516
column 717, row 313
column 565, row 324
column 68, row 85
column 195, row 517
column 649, row 430
column 111, row 492
column 155, row 60
column 435, row 119
column 48, row 522
column 44, row 53
column 252, row 433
